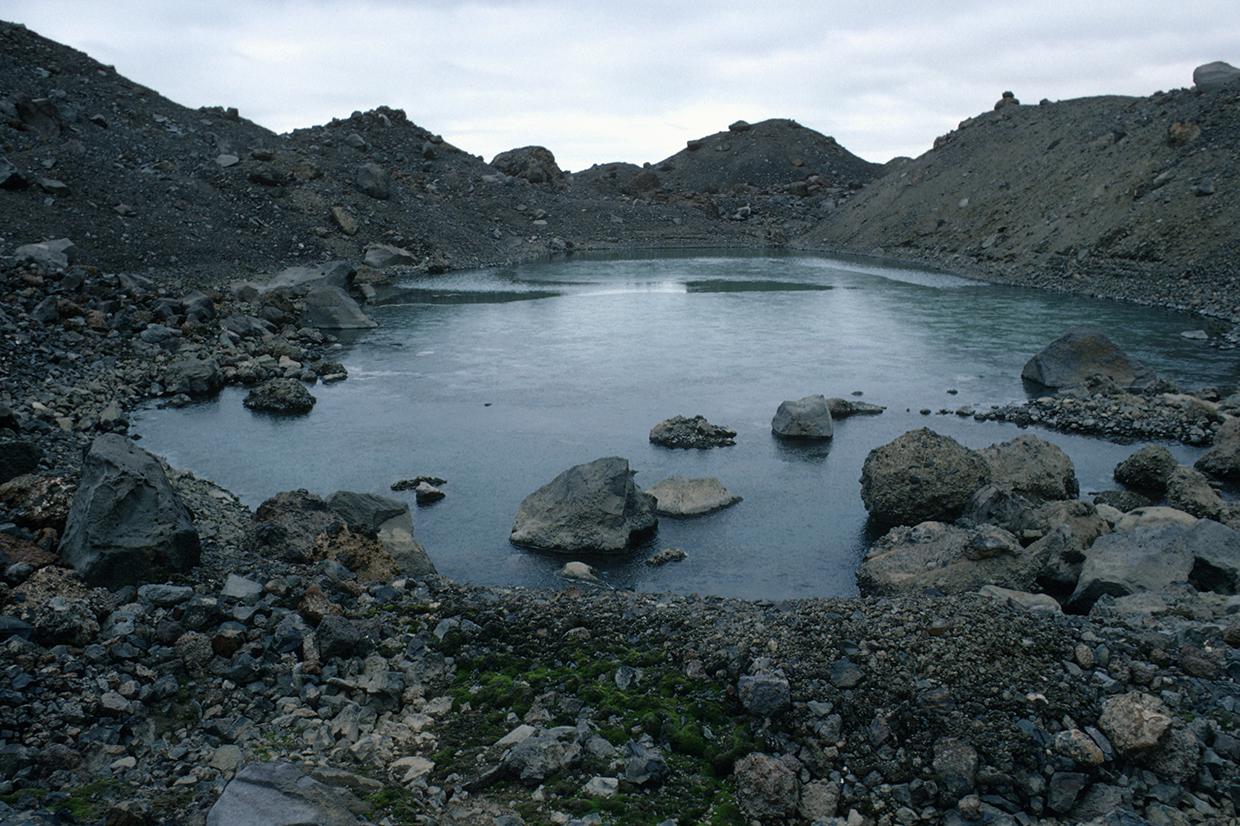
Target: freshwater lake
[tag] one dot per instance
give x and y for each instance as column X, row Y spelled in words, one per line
column 498, row 379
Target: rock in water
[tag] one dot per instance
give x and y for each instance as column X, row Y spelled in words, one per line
column 807, row 418
column 843, row 408
column 696, row 432
column 581, row 572
column 1213, row 77
column 283, row 396
column 282, row 794
column 1034, row 466
column 678, row 496
column 126, row 523
column 921, row 476
column 590, row 507
column 331, row 308
column 1081, row 354
column 535, row 164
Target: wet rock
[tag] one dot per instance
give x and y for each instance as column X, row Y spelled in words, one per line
column 126, row 523
column 281, row 396
column 1032, row 466
column 807, row 418
column 425, row 493
column 767, row 789
column 934, row 555
column 843, row 408
column 590, row 507
column 282, row 794
column 331, row 308
column 695, row 432
column 920, row 476
column 1147, row 469
column 1080, row 355
column 665, row 556
column 678, row 496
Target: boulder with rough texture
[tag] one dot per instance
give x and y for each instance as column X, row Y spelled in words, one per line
column 1134, row 722
column 371, row 179
column 807, row 418
column 1080, row 355
column 921, row 476
column 946, row 558
column 543, row 754
column 535, row 164
column 365, row 512
column 283, row 794
column 765, row 695
column 1021, row 599
column 843, row 408
column 1147, row 469
column 281, row 396
column 678, row 496
column 195, row 377
column 331, row 308
column 126, row 523
column 390, row 522
column 767, row 788
column 287, row 524
column 1034, row 466
column 589, row 507
column 1222, row 461
column 695, row 432
column 1216, row 76
column 1189, row 490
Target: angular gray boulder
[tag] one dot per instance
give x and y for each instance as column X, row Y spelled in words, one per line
column 1033, row 466
column 934, row 555
column 126, row 523
column 921, row 476
column 388, row 520
column 594, row 507
column 53, row 255
column 371, row 179
column 1082, row 354
column 387, row 255
column 807, row 418
column 283, row 794
column 679, row 496
column 193, row 376
column 331, row 308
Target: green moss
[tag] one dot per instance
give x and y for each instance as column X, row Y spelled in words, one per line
column 394, row 802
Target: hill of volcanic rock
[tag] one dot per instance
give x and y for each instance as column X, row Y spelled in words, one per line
column 1117, row 196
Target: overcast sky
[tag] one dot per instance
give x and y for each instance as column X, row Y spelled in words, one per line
column 605, row 81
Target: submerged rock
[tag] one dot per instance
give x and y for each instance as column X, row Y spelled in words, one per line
column 807, row 418
column 843, row 408
column 589, row 507
column 921, row 476
column 695, row 432
column 678, row 496
column 126, row 523
column 1080, row 355
column 282, row 396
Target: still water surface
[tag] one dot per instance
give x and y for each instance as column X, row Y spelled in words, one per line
column 497, row 380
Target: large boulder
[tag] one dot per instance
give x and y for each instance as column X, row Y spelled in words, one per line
column 308, row 276
column 193, row 376
column 921, row 476
column 282, row 396
column 1216, row 76
column 947, row 558
column 283, row 794
column 1206, row 554
column 52, row 255
column 695, row 432
column 331, row 308
column 678, row 496
column 126, row 523
column 535, row 164
column 371, row 179
column 591, row 507
column 288, row 524
column 807, row 418
column 1222, row 461
column 1146, row 470
column 1080, row 355
column 767, row 788
column 390, row 522
column 1034, row 466
column 1189, row 490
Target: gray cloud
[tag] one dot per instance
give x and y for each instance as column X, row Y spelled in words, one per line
column 599, row 81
